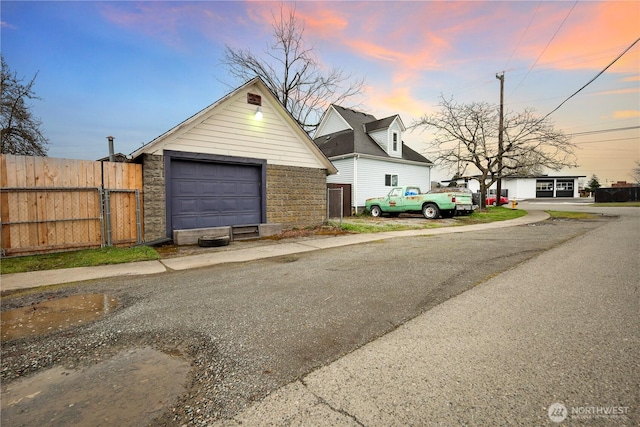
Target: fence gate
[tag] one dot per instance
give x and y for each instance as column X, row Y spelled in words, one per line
column 334, row 203
column 338, row 203
column 122, row 216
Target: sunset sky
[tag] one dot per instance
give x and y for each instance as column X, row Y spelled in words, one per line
column 136, row 69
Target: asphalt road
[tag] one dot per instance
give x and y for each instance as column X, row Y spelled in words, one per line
column 553, row 341
column 250, row 328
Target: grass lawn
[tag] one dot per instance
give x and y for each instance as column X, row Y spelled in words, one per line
column 617, row 205
column 491, row 214
column 368, row 224
column 368, row 227
column 572, row 215
column 83, row 258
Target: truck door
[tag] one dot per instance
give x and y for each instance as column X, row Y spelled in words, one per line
column 396, row 200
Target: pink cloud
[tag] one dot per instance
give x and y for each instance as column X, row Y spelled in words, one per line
column 591, row 37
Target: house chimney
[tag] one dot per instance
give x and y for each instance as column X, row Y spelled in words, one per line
column 111, row 153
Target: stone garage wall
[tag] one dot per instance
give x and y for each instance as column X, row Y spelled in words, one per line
column 296, row 197
column 153, row 186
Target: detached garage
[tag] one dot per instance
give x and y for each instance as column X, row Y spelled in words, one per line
column 241, row 161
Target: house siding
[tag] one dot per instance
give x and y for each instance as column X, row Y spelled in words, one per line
column 333, row 123
column 232, row 130
column 345, row 172
column 371, row 172
column 380, row 137
column 296, row 197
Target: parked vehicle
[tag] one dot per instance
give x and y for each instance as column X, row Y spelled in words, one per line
column 491, row 200
column 463, row 196
column 411, row 200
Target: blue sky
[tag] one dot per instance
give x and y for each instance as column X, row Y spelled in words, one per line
column 136, row 69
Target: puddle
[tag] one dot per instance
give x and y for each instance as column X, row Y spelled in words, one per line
column 54, row 314
column 130, row 389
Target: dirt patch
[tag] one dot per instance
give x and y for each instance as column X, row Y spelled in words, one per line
column 172, row 251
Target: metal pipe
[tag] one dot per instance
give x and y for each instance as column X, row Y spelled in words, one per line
column 112, row 156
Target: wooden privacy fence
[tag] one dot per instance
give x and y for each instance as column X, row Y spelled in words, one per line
column 50, row 205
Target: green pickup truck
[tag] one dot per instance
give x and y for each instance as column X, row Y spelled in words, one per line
column 409, row 199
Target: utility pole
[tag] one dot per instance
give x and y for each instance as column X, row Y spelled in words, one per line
column 500, row 140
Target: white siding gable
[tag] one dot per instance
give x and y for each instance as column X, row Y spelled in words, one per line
column 231, row 129
column 381, row 137
column 332, row 122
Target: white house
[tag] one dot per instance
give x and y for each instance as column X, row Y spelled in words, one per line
column 531, row 186
column 369, row 154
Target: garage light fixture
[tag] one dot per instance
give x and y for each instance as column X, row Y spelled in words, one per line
column 258, row 115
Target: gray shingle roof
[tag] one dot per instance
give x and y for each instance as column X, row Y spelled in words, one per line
column 357, row 141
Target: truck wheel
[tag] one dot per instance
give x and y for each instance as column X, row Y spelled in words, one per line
column 376, row 211
column 449, row 214
column 430, row 211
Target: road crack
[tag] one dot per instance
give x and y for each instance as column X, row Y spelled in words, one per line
column 324, row 402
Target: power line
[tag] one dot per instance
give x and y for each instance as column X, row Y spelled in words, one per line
column 545, row 48
column 593, row 132
column 522, row 36
column 591, row 81
column 604, row 140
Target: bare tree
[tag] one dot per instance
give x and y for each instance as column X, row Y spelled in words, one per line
column 466, row 136
column 293, row 72
column 20, row 133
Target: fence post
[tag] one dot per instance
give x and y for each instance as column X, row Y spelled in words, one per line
column 102, row 232
column 107, row 210
column 138, row 219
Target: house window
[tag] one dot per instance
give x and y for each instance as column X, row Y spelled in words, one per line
column 390, row 180
column 395, row 141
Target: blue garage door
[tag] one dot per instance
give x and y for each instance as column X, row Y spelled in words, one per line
column 205, row 194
